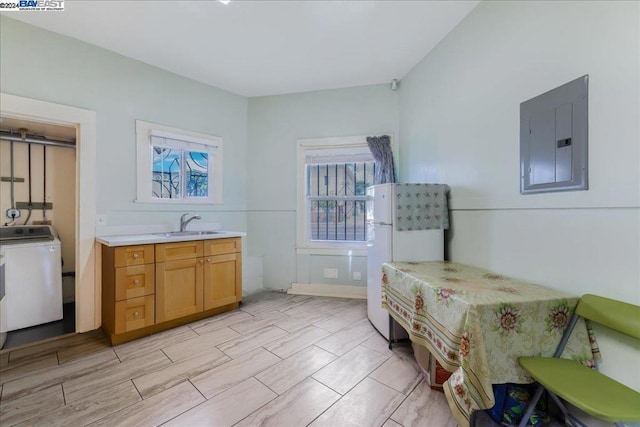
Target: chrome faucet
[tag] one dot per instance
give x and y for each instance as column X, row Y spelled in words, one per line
column 184, row 223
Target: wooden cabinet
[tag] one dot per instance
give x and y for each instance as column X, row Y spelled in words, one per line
column 179, row 280
column 222, row 272
column 148, row 288
column 128, row 287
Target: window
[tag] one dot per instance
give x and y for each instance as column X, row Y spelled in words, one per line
column 333, row 174
column 177, row 166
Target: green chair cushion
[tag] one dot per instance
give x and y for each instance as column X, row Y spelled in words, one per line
column 585, row 388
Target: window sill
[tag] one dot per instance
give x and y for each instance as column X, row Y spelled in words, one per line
column 357, row 252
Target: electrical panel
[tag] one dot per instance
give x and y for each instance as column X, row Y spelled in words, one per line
column 554, row 139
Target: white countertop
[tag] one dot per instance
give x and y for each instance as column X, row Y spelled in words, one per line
column 150, row 238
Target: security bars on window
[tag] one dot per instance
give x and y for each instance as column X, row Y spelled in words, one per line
column 337, row 194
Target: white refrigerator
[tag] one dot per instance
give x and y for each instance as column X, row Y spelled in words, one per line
column 385, row 244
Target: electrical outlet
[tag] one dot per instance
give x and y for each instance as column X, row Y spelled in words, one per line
column 330, row 273
column 357, row 275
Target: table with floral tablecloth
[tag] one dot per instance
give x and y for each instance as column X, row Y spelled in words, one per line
column 477, row 323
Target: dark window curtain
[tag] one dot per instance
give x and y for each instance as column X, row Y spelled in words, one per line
column 380, row 147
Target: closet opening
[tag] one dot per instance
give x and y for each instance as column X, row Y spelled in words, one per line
column 37, row 231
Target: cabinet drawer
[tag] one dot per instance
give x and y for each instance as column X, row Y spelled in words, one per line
column 135, row 281
column 222, row 246
column 178, row 250
column 134, row 314
column 133, row 255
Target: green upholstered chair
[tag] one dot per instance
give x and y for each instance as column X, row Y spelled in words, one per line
column 583, row 387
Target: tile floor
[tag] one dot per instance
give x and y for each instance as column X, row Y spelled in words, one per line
column 48, row 330
column 279, row 360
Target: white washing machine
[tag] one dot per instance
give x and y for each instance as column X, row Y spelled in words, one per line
column 33, row 276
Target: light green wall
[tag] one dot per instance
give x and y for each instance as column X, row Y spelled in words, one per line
column 275, row 124
column 456, row 120
column 459, row 124
column 259, row 169
column 47, row 66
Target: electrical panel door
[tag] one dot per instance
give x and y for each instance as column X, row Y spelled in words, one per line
column 553, row 139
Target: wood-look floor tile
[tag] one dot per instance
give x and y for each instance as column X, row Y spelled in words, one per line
column 400, row 372
column 333, row 323
column 157, row 409
column 341, row 306
column 378, row 343
column 308, row 306
column 54, row 345
column 284, row 375
column 30, row 406
column 174, row 369
column 293, row 301
column 249, row 326
column 344, row 340
column 348, row 370
column 80, row 387
column 77, row 350
column 263, row 297
column 293, row 323
column 27, row 366
column 424, row 407
column 200, row 344
column 261, row 308
column 225, row 376
column 175, row 373
column 238, row 346
column 228, row 407
column 48, row 376
column 4, row 359
column 211, row 324
column 367, row 404
column 91, row 408
column 297, row 407
column 270, row 301
column 292, row 343
column 153, row 342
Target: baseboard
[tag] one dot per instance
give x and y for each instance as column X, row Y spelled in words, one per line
column 323, row 290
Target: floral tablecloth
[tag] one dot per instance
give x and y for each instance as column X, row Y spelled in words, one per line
column 477, row 323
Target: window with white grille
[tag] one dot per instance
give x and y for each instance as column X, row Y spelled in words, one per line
column 178, row 166
column 333, row 175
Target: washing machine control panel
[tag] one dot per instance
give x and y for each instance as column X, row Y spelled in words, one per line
column 26, row 233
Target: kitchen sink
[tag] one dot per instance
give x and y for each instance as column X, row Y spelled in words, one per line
column 187, row 233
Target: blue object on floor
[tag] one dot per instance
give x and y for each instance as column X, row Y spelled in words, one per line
column 511, row 401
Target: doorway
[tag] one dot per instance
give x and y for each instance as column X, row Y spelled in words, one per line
column 87, row 284
column 37, row 165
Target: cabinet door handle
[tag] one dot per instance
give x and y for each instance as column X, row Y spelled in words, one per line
column 208, row 259
column 136, row 282
column 135, row 255
column 201, row 261
column 136, row 314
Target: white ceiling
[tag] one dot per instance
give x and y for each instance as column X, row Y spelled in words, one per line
column 256, row 48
